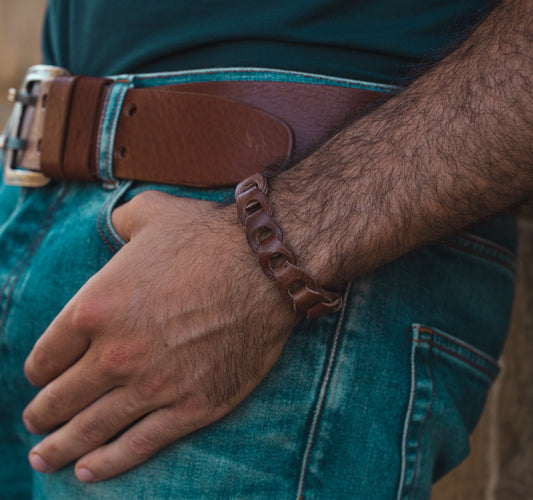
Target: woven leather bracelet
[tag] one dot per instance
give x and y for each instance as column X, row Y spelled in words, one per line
column 278, row 262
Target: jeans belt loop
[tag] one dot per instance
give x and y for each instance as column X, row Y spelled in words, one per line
column 106, row 150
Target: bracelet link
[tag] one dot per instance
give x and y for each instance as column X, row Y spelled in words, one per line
column 250, row 202
column 278, row 262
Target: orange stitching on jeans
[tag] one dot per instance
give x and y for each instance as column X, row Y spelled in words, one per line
column 43, row 229
column 99, row 226
column 419, row 439
column 326, row 377
column 462, row 345
column 488, row 243
column 410, row 416
column 466, row 360
column 480, row 254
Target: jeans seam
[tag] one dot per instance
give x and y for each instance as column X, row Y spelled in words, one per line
column 403, row 486
column 101, row 231
column 272, row 72
column 462, row 358
column 30, row 250
column 322, row 394
column 478, row 360
column 116, row 244
column 489, row 244
column 428, row 413
column 481, row 255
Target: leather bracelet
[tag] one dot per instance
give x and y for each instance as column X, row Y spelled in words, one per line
column 278, row 262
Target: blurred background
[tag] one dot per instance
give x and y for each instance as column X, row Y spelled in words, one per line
column 500, row 466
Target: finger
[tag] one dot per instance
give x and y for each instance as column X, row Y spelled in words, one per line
column 124, row 221
column 65, row 396
column 138, row 444
column 128, row 219
column 59, row 347
column 96, row 425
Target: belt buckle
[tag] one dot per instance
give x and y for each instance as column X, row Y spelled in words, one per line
column 11, row 142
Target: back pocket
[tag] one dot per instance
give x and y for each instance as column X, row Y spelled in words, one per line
column 449, row 384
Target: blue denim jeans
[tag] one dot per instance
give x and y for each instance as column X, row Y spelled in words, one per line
column 374, row 402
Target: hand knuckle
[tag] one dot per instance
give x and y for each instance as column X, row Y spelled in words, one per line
column 88, row 315
column 51, row 452
column 146, row 200
column 91, row 432
column 39, row 367
column 52, row 410
column 43, row 360
column 55, row 405
column 120, row 359
column 141, row 446
column 151, row 385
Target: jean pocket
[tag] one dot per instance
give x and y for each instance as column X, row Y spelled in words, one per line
column 449, row 383
column 483, row 250
column 106, row 230
column 126, row 190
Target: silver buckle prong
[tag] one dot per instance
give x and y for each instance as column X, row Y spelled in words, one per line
column 13, row 175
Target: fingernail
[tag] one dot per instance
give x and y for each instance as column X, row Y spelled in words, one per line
column 38, row 463
column 85, row 475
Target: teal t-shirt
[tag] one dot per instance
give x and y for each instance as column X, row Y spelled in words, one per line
column 377, row 40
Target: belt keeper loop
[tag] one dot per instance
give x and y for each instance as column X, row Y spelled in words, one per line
column 79, row 159
column 296, row 286
column 55, row 125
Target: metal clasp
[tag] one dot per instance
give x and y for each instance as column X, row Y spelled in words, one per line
column 11, row 142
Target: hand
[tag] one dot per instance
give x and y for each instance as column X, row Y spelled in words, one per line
column 174, row 332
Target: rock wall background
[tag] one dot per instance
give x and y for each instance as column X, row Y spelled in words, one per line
column 500, row 466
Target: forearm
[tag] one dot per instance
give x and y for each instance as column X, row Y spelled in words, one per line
column 455, row 147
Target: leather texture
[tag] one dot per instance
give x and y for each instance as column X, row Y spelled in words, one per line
column 312, row 111
column 265, row 237
column 55, row 125
column 79, row 160
column 209, row 140
column 203, row 134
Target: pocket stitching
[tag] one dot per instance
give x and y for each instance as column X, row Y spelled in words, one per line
column 478, row 360
column 484, row 249
column 318, row 406
column 406, row 486
column 509, row 267
column 38, row 236
column 424, row 346
column 489, row 244
column 428, row 413
column 104, row 218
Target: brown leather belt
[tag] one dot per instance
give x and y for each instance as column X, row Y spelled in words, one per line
column 204, row 134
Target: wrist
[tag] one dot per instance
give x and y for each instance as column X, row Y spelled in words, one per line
column 278, row 262
column 256, row 288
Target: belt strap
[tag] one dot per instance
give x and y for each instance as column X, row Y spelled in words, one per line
column 203, row 134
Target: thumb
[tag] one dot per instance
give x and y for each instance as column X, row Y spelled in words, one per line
column 131, row 217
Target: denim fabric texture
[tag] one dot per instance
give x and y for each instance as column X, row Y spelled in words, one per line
column 374, row 402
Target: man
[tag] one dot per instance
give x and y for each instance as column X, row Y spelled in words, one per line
column 176, row 331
